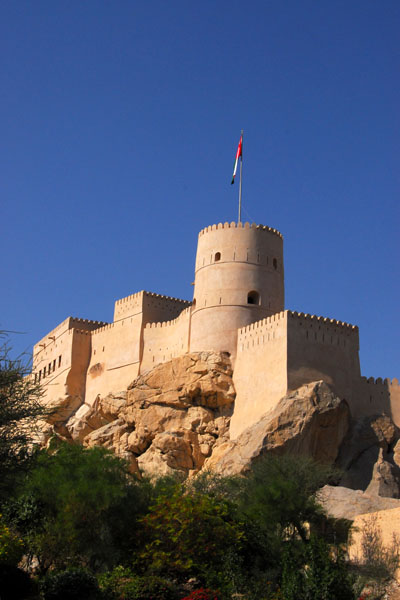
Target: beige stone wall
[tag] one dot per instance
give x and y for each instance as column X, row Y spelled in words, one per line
column 283, row 352
column 377, row 396
column 115, row 357
column 231, row 262
column 55, row 353
column 163, row 341
column 260, row 375
column 321, row 348
column 118, row 348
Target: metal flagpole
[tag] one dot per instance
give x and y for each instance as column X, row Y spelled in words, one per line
column 240, row 182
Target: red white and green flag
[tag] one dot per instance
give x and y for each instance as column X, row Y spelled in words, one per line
column 238, row 155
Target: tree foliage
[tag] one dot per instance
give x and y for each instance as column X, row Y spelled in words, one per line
column 79, row 507
column 20, row 406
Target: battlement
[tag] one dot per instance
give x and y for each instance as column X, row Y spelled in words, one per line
column 101, row 329
column 234, row 225
column 316, row 319
column 170, row 323
column 170, row 298
column 79, row 331
column 131, row 297
column 380, row 382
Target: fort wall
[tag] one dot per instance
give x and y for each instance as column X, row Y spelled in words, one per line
column 322, row 348
column 166, row 340
column 119, row 347
column 377, row 396
column 55, row 354
column 115, row 357
column 238, row 280
column 281, row 353
column 260, row 375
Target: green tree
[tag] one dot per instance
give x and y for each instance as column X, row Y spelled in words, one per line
column 20, row 406
column 79, row 507
column 280, row 495
column 191, row 534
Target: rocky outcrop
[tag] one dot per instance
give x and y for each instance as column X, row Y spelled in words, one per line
column 175, row 419
column 369, row 456
column 168, row 421
column 344, row 503
column 311, row 421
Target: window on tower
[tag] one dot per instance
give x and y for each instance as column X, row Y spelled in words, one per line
column 253, row 297
column 217, row 256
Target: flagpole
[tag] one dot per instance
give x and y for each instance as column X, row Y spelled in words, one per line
column 240, row 183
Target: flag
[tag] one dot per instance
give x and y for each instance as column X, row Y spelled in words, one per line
column 238, row 155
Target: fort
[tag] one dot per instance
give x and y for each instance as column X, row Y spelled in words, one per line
column 238, row 308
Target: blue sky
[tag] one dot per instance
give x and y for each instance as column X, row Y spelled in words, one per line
column 119, row 125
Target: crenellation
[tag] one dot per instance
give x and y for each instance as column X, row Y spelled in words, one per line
column 235, row 225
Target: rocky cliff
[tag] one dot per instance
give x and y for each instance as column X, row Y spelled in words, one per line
column 175, row 419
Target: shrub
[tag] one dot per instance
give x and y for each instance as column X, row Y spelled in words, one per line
column 123, row 584
column 11, row 546
column 148, row 588
column 73, row 584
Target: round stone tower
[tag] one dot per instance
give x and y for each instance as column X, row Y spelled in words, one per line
column 238, row 280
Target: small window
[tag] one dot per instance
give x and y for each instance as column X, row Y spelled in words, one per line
column 217, row 256
column 194, row 303
column 253, row 298
column 275, row 263
column 59, row 361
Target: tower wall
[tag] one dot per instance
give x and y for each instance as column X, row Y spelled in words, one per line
column 60, row 359
column 322, row 348
column 281, row 353
column 260, row 375
column 238, row 280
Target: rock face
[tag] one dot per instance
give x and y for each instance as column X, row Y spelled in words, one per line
column 311, row 421
column 175, row 419
column 369, row 457
column 344, row 503
column 168, row 421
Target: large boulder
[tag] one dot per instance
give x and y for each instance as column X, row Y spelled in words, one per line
column 344, row 503
column 311, row 421
column 168, row 421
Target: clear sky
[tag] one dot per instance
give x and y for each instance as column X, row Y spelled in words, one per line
column 119, row 124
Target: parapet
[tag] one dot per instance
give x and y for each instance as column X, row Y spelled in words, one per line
column 316, row 319
column 170, row 323
column 380, row 382
column 234, row 225
column 68, row 324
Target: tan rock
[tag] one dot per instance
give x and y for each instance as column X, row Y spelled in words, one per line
column 60, row 409
column 311, row 421
column 344, row 503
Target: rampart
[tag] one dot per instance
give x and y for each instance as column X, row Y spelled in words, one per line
column 260, row 374
column 166, row 340
column 377, row 396
column 280, row 353
column 322, row 348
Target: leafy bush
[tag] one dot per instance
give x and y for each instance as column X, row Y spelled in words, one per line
column 11, row 546
column 190, row 535
column 14, row 583
column 319, row 575
column 123, row 584
column 74, row 584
